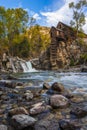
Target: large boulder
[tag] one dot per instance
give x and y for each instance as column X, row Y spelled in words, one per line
column 58, row 101
column 39, row 108
column 22, row 121
column 58, row 87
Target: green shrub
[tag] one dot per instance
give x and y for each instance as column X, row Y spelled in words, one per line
column 72, row 63
column 83, row 58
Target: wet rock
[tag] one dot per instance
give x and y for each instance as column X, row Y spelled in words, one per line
column 10, row 128
column 47, row 125
column 84, row 69
column 28, row 95
column 1, row 111
column 69, row 125
column 19, row 84
column 57, row 87
column 19, row 87
column 3, row 106
column 58, row 115
column 10, row 84
column 39, row 108
column 46, row 86
column 84, row 121
column 1, row 93
column 19, row 110
column 22, row 121
column 11, row 77
column 58, row 101
column 3, row 127
column 77, row 98
column 15, row 91
column 79, row 112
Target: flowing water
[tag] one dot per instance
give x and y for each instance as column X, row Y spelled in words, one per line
column 37, row 78
column 68, row 79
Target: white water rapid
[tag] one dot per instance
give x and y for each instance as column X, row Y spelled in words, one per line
column 27, row 67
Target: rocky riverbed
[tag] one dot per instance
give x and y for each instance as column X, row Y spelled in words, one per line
column 43, row 101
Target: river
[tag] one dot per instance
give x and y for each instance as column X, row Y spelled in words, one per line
column 68, row 79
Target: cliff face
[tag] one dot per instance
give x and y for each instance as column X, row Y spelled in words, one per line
column 62, row 55
column 64, row 50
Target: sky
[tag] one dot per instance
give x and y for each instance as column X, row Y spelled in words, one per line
column 46, row 12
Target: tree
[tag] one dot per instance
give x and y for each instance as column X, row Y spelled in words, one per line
column 39, row 39
column 21, row 46
column 17, row 20
column 3, row 38
column 13, row 25
column 2, row 22
column 79, row 10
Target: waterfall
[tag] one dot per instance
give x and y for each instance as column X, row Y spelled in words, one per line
column 24, row 66
column 27, row 67
column 19, row 65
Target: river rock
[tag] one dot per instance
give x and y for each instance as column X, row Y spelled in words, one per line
column 46, row 86
column 69, row 125
column 84, row 69
column 10, row 77
column 77, row 98
column 58, row 101
column 19, row 110
column 79, row 112
column 47, row 125
column 28, row 95
column 22, row 121
column 10, row 84
column 38, row 108
column 3, row 127
column 57, row 87
column 1, row 111
column 10, row 128
column 1, row 93
column 20, row 84
column 19, row 87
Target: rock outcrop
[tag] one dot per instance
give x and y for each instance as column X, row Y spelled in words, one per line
column 64, row 50
column 15, row 64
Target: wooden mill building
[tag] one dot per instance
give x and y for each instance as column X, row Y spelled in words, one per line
column 60, row 33
column 63, row 49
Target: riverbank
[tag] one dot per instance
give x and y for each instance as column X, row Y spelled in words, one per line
column 30, row 104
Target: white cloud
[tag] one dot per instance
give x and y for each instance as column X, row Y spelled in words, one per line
column 33, row 14
column 64, row 14
column 36, row 16
column 85, row 26
column 20, row 5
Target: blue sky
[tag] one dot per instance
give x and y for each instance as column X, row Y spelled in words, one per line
column 46, row 12
column 35, row 5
